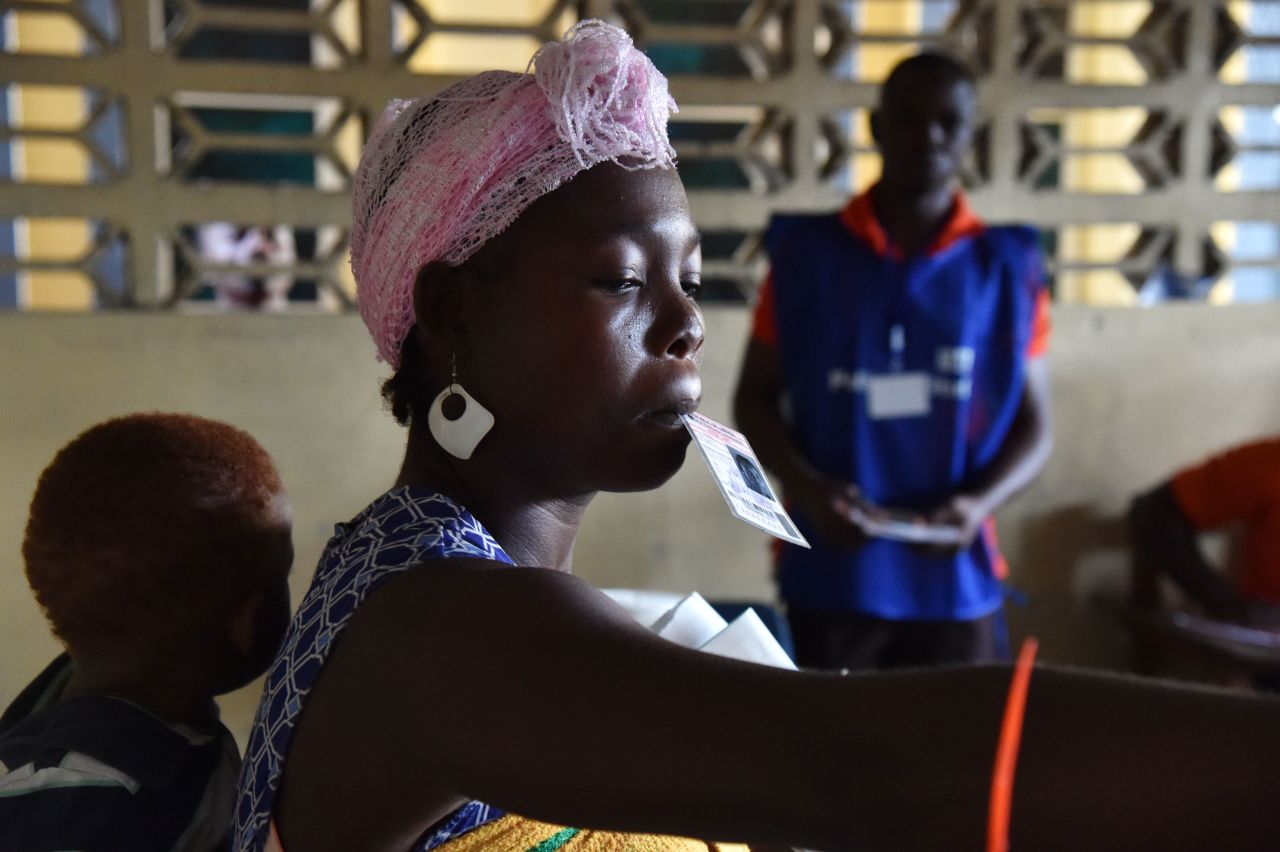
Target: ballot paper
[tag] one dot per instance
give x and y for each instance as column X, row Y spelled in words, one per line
column 741, row 480
column 645, row 605
column 746, row 638
column 693, row 623
column 915, row 532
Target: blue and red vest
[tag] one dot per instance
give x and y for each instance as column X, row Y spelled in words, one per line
column 965, row 315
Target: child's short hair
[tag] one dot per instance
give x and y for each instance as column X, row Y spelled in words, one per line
column 129, row 519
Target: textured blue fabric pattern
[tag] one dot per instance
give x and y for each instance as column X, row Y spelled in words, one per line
column 396, row 532
column 847, row 316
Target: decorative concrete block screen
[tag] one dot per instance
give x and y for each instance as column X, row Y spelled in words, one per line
column 197, row 154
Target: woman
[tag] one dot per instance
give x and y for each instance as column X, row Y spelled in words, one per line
column 526, row 261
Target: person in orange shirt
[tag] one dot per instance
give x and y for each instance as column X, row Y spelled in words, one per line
column 1239, row 488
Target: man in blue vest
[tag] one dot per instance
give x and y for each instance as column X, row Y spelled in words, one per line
column 895, row 371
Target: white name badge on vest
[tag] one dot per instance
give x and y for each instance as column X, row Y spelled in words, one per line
column 898, row 395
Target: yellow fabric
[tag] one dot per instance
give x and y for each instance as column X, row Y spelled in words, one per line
column 514, row 833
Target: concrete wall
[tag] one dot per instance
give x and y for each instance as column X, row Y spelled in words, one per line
column 1138, row 392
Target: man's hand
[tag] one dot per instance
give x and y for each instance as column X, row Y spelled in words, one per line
column 965, row 513
column 827, row 505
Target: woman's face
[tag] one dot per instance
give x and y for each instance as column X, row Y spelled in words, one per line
column 586, row 343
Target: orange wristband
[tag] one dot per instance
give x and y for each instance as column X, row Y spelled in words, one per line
column 1007, row 750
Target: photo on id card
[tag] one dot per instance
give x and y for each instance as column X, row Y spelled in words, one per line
column 740, row 478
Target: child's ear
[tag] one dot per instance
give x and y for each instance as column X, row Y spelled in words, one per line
column 254, row 629
column 242, row 626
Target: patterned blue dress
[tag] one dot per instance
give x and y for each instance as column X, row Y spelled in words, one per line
column 397, row 531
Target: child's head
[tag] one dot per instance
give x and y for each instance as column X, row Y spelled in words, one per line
column 163, row 538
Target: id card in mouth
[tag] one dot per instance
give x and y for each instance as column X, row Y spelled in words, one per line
column 741, row 480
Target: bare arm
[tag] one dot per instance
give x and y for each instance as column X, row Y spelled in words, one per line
column 1164, row 543
column 757, row 411
column 529, row 689
column 1029, row 444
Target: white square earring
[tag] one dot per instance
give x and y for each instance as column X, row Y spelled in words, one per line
column 458, row 435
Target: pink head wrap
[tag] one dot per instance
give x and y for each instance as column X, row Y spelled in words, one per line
column 442, row 176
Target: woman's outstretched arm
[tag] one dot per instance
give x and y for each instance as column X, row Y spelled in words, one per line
column 530, row 690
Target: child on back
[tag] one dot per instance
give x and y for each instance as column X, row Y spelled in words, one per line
column 159, row 547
